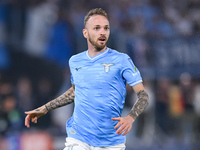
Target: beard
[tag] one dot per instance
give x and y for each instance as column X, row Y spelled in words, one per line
column 97, row 46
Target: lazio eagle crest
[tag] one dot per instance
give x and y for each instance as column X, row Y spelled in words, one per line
column 106, row 67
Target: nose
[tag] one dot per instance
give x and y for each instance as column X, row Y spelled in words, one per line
column 103, row 31
column 102, row 34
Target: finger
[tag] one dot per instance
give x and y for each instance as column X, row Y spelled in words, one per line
column 118, row 124
column 126, row 131
column 116, row 119
column 34, row 119
column 28, row 112
column 27, row 121
column 121, row 129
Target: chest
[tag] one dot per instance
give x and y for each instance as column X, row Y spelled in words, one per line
column 97, row 72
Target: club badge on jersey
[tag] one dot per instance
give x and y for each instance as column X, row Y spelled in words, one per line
column 107, row 66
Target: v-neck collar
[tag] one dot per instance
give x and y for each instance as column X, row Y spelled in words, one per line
column 98, row 55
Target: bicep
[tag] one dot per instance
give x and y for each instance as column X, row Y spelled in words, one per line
column 138, row 87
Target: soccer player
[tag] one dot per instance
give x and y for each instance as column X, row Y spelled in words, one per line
column 99, row 76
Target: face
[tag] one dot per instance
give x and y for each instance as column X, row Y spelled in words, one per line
column 97, row 32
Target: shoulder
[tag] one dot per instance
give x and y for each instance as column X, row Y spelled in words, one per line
column 77, row 57
column 116, row 53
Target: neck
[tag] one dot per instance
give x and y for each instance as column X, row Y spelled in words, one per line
column 93, row 51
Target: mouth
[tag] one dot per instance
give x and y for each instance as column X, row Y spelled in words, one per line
column 102, row 39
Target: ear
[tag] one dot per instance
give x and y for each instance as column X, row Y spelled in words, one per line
column 85, row 33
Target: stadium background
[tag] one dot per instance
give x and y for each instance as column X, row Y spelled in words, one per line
column 37, row 38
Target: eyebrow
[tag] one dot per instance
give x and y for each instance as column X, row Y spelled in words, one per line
column 100, row 25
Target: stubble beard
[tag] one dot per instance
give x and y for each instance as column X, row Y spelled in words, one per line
column 97, row 46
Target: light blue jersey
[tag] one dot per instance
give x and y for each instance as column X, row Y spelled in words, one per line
column 100, row 90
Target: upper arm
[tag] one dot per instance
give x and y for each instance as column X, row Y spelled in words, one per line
column 138, row 87
column 130, row 72
column 141, row 92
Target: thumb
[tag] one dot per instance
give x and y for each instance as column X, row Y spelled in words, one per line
column 28, row 112
column 116, row 118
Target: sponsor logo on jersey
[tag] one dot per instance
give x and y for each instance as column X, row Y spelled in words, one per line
column 135, row 74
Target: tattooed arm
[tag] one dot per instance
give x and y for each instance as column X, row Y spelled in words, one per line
column 140, row 104
column 65, row 99
column 125, row 123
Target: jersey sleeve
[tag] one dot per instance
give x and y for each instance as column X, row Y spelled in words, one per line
column 70, row 67
column 72, row 80
column 130, row 72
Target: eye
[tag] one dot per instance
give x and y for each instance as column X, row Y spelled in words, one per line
column 96, row 28
column 106, row 28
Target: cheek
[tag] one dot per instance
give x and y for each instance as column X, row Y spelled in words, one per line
column 92, row 36
column 108, row 34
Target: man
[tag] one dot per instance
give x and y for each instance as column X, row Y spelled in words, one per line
column 98, row 77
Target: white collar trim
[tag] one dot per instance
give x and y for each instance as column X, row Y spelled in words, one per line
column 97, row 56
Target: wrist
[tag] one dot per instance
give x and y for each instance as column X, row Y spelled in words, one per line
column 45, row 109
column 132, row 115
column 130, row 118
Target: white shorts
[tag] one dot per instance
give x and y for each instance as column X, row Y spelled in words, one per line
column 74, row 144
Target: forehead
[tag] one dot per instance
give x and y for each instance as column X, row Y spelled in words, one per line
column 97, row 20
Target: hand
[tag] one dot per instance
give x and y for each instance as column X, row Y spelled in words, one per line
column 34, row 115
column 124, row 125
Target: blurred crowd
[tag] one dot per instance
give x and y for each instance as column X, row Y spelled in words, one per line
column 37, row 38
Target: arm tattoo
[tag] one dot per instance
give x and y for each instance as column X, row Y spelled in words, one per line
column 140, row 104
column 65, row 99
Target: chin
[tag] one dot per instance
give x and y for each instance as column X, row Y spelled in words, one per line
column 99, row 48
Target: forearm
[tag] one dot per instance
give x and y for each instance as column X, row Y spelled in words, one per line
column 65, row 99
column 140, row 104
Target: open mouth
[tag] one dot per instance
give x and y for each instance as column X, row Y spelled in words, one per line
column 102, row 39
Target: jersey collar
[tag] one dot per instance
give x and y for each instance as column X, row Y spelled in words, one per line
column 98, row 55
